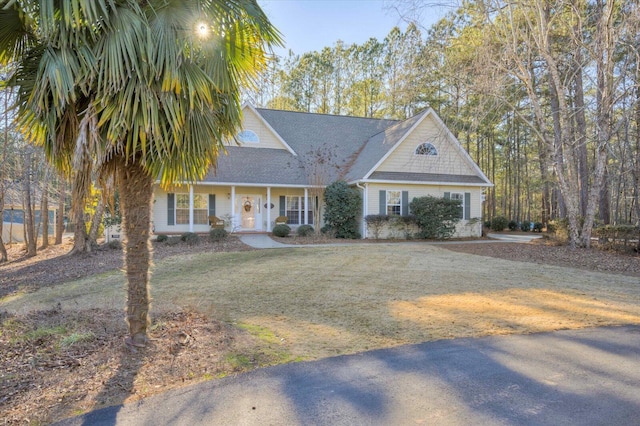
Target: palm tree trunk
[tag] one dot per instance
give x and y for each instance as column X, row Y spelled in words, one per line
column 136, row 191
column 80, row 188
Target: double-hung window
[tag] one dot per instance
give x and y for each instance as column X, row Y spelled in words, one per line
column 460, row 197
column 294, row 210
column 200, row 209
column 394, row 203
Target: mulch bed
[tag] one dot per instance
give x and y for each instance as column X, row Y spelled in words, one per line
column 55, row 266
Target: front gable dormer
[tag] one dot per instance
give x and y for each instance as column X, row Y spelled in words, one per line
column 427, row 148
column 257, row 133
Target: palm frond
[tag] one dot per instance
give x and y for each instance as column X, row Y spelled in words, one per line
column 157, row 93
column 16, row 32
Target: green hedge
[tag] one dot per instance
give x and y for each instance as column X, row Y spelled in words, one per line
column 304, row 230
column 217, row 235
column 436, row 217
column 343, row 205
column 376, row 223
column 616, row 234
column 281, row 230
column 498, row 223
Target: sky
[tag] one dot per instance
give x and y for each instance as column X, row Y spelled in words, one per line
column 309, row 25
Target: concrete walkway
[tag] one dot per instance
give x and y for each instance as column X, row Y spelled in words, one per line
column 571, row 377
column 524, row 237
column 263, row 241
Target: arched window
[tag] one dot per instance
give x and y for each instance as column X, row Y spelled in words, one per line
column 426, row 149
column 248, row 136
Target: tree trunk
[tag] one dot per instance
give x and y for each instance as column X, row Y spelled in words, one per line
column 3, row 162
column 136, row 190
column 60, row 215
column 636, row 164
column 80, row 189
column 44, row 209
column 3, row 250
column 581, row 134
column 97, row 221
column 604, row 210
column 31, row 239
column 605, row 46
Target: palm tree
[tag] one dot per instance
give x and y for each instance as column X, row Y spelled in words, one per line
column 143, row 90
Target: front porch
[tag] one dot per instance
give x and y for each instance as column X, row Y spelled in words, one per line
column 243, row 208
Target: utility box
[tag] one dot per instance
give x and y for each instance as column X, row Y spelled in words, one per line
column 113, row 232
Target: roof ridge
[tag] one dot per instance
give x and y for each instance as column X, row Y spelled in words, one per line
column 396, row 123
column 332, row 115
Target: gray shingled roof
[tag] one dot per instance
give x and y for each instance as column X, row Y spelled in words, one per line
column 355, row 145
column 259, row 166
column 307, row 133
column 426, row 177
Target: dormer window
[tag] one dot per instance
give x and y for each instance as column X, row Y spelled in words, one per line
column 426, row 149
column 248, row 136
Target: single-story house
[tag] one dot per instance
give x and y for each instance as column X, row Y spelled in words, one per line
column 13, row 212
column 281, row 158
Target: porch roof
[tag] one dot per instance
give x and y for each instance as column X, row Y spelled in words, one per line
column 262, row 166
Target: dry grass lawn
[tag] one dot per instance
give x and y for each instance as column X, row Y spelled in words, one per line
column 323, row 301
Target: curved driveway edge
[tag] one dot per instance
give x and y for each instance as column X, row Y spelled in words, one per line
column 586, row 377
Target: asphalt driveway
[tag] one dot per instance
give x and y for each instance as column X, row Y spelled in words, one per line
column 585, row 377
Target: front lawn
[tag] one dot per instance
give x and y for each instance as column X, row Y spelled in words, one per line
column 313, row 302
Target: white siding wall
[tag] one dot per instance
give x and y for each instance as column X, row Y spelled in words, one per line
column 447, row 161
column 463, row 229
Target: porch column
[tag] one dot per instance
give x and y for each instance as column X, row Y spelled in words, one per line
column 268, row 209
column 190, row 208
column 233, row 208
column 306, row 206
column 365, row 209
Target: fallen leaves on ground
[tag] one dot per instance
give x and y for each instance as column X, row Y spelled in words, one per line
column 55, row 364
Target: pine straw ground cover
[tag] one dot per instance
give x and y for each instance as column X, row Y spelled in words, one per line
column 218, row 311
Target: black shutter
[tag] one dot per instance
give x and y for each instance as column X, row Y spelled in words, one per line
column 383, row 202
column 467, row 205
column 171, row 209
column 212, row 204
column 283, row 206
column 405, row 203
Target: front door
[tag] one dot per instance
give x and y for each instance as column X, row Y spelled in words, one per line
column 250, row 212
